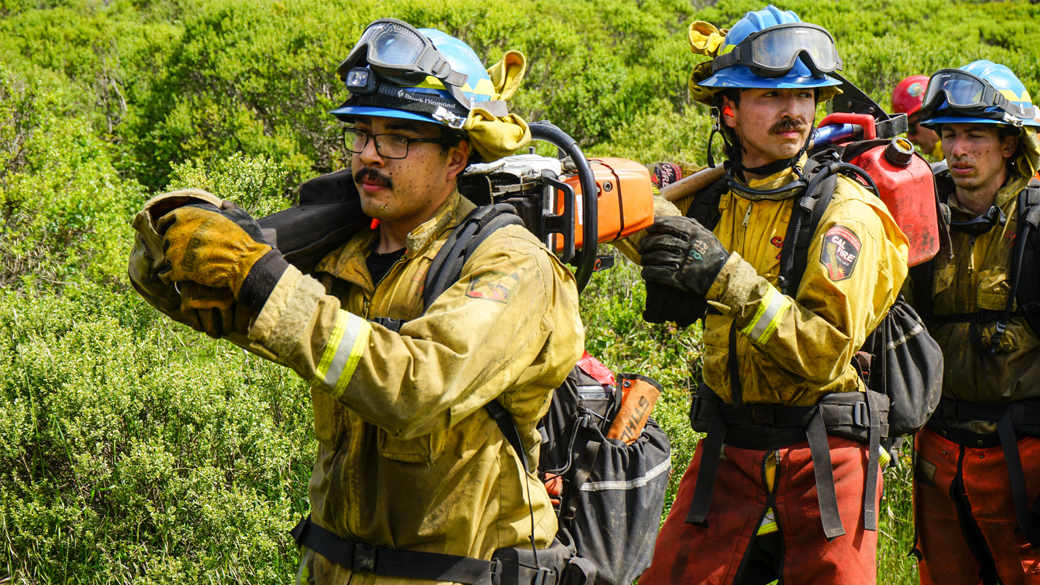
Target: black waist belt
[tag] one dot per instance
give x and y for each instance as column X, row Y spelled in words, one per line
column 388, row 562
column 1021, row 417
column 854, row 415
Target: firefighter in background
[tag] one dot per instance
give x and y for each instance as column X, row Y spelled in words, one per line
column 977, row 470
column 906, row 99
column 776, row 351
column 409, row 460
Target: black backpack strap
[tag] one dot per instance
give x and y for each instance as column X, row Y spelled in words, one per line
column 507, row 425
column 463, row 241
column 823, row 170
column 1028, row 294
column 705, row 206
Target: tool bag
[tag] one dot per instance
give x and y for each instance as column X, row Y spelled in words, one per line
column 608, row 494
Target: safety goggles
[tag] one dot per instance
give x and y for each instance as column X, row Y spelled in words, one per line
column 973, row 95
column 774, row 51
column 979, row 225
column 398, row 51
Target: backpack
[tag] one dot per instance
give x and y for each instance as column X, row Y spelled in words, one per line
column 609, row 494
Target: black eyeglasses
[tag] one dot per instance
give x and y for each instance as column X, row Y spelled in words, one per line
column 392, row 146
column 981, row 224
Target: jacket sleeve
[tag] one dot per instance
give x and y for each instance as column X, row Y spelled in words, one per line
column 509, row 327
column 855, row 268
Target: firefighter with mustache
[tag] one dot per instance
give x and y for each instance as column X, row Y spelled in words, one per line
column 414, row 481
column 758, row 511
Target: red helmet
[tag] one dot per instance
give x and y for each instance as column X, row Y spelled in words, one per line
column 907, row 96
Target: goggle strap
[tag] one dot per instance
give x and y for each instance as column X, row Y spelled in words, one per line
column 727, row 60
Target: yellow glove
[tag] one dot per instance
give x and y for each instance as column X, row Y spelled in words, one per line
column 492, row 136
column 1028, row 162
column 705, row 38
column 205, row 247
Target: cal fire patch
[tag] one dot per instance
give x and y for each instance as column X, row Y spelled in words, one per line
column 495, row 285
column 840, row 252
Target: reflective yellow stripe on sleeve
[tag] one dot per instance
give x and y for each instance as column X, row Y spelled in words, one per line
column 771, row 309
column 344, row 350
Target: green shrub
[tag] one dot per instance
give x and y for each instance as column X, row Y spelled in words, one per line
column 63, row 206
column 135, row 450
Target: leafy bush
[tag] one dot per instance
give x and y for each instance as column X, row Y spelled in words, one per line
column 63, row 207
column 134, row 450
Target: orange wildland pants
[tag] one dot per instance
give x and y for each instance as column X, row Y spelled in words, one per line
column 979, row 479
column 715, row 554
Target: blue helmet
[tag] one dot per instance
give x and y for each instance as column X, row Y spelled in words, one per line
column 429, row 78
column 777, row 60
column 973, row 98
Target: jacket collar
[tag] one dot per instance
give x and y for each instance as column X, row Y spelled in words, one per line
column 782, row 185
column 347, row 261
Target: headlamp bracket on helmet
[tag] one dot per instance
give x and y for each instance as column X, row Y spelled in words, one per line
column 360, row 80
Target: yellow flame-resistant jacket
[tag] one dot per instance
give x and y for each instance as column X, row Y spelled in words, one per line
column 794, row 351
column 408, row 457
column 978, row 278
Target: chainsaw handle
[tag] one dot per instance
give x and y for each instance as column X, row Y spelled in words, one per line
column 585, row 260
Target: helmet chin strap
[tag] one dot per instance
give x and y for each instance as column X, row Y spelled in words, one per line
column 777, row 165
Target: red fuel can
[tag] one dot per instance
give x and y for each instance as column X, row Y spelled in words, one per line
column 906, row 185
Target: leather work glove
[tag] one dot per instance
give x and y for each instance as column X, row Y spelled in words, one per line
column 219, row 249
column 213, row 311
column 665, row 303
column 681, row 253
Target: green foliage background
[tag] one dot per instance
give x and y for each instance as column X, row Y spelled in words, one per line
column 133, row 450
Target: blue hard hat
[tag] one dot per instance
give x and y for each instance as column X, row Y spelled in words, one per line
column 477, row 88
column 740, row 76
column 1001, row 79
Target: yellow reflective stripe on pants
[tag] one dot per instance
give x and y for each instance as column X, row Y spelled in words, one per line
column 347, row 344
column 768, row 524
column 770, row 310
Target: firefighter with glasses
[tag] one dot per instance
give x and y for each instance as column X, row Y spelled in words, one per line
column 771, row 493
column 414, row 481
column 977, row 464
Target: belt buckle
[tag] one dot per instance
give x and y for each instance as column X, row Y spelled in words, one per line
column 860, row 414
column 364, row 557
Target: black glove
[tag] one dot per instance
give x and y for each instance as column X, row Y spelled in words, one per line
column 664, row 303
column 681, row 253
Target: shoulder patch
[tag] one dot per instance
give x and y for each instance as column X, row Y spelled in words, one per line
column 495, row 285
column 840, row 252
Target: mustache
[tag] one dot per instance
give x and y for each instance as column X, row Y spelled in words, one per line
column 788, row 125
column 372, row 176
